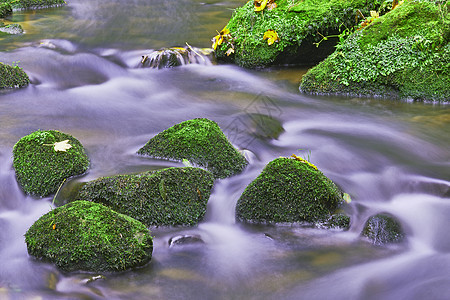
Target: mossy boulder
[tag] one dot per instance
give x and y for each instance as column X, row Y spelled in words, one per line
column 298, row 24
column 10, row 29
column 383, row 229
column 12, row 77
column 200, row 141
column 289, row 190
column 41, row 167
column 173, row 196
column 86, row 236
column 404, row 54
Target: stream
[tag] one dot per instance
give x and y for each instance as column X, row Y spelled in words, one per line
column 389, row 156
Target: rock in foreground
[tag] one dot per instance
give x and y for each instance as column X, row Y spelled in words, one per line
column 289, row 190
column 173, row 196
column 201, row 142
column 44, row 159
column 86, row 236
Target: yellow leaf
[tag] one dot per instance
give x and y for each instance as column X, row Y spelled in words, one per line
column 374, row 14
column 260, row 4
column 218, row 39
column 271, row 36
column 229, row 51
column 62, row 146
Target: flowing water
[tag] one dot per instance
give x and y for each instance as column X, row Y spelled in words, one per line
column 389, row 156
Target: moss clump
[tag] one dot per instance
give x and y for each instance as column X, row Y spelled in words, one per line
column 173, row 196
column 5, row 9
column 24, row 4
column 85, row 236
column 201, row 142
column 383, row 229
column 40, row 169
column 12, row 77
column 289, row 190
column 404, row 54
column 298, row 23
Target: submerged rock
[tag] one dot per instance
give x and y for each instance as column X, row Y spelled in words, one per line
column 403, row 54
column 285, row 31
column 184, row 240
column 86, row 236
column 173, row 196
column 383, row 229
column 289, row 190
column 11, row 29
column 199, row 141
column 44, row 159
column 176, row 56
column 12, row 77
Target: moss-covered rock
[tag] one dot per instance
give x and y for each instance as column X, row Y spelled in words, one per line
column 173, row 196
column 12, row 77
column 41, row 167
column 298, row 24
column 289, row 190
column 10, row 29
column 86, row 236
column 382, row 229
column 404, row 54
column 201, row 142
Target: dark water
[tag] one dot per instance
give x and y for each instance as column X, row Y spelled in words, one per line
column 389, row 156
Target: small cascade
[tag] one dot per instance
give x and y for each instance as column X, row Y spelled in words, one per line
column 176, row 56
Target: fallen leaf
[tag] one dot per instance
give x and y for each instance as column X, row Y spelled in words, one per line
column 229, row 51
column 62, row 146
column 260, row 4
column 218, row 39
column 271, row 36
column 271, row 5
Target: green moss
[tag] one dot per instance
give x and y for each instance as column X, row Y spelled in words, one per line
column 201, row 142
column 85, row 236
column 383, row 229
column 403, row 54
column 173, row 196
column 298, row 24
column 5, row 9
column 12, row 77
column 40, row 169
column 24, row 4
column 289, row 190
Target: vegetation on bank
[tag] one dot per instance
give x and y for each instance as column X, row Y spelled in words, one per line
column 173, row 196
column 290, row 190
column 86, row 236
column 12, row 77
column 44, row 159
column 286, row 31
column 201, row 142
column 404, row 54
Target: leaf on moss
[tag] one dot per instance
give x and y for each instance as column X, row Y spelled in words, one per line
column 260, row 4
column 222, row 36
column 62, row 146
column 271, row 36
column 229, row 51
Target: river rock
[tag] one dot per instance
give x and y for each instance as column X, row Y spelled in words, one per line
column 383, row 229
column 12, row 77
column 173, row 196
column 289, row 190
column 298, row 25
column 200, row 141
column 33, row 4
column 176, row 56
column 11, row 29
column 86, row 236
column 403, row 54
column 42, row 163
column 187, row 239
